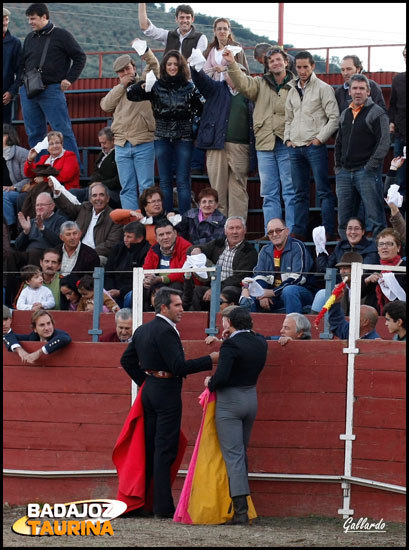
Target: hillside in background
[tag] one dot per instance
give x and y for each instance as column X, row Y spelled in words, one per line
column 112, row 27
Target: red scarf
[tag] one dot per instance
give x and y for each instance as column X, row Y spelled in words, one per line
column 380, row 296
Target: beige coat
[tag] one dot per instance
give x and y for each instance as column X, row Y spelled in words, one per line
column 132, row 121
column 269, row 107
column 316, row 116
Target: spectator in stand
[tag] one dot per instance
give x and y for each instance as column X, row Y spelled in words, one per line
column 355, row 241
column 203, row 224
column 269, row 94
column 367, row 321
column 398, row 222
column 183, row 39
column 386, row 286
column 175, row 103
column 14, row 158
column 295, row 327
column 11, row 63
column 58, row 75
column 44, row 330
column 34, row 296
column 361, row 145
column 93, row 218
column 77, row 257
column 123, row 258
column 216, row 66
column 226, row 133
column 40, row 233
column 350, row 65
column 397, row 121
column 7, row 317
column 311, row 118
column 50, row 264
column 283, row 269
column 133, row 127
column 87, row 301
column 395, row 319
column 236, row 256
column 150, row 212
column 106, row 170
column 260, row 56
column 123, row 327
column 70, row 296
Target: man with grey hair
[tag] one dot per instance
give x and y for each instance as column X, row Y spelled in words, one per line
column 361, row 145
column 123, row 327
column 40, row 233
column 295, row 327
column 77, row 257
column 236, row 256
column 98, row 230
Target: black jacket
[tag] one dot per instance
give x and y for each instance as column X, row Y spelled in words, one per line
column 175, row 102
column 157, row 346
column 190, row 42
column 107, row 173
column 63, row 49
column 56, row 341
column 397, row 105
column 124, row 259
column 86, row 261
column 344, row 99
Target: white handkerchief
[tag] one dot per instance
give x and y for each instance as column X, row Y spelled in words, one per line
column 41, row 145
column 391, row 288
column 147, row 221
column 318, row 236
column 139, row 46
column 255, row 290
column 150, row 81
column 394, row 195
column 197, row 60
column 174, row 220
column 197, row 261
column 234, row 49
column 61, row 189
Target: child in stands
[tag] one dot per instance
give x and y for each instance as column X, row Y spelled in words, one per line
column 86, row 289
column 34, row 296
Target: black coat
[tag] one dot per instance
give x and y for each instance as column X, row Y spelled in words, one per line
column 124, row 259
column 107, row 173
column 56, row 341
column 157, row 346
column 86, row 261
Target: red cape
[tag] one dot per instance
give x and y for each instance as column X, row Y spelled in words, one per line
column 129, row 458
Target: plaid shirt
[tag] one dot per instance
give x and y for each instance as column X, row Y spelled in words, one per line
column 226, row 260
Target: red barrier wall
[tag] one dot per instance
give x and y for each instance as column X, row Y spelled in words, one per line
column 66, row 412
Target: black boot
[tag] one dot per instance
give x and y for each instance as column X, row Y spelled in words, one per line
column 240, row 507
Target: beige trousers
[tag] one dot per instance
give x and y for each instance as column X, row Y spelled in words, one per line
column 227, row 170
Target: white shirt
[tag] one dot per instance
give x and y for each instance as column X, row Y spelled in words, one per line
column 30, row 296
column 89, row 235
column 68, row 262
column 161, row 35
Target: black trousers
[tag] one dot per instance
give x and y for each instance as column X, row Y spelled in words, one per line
column 162, row 405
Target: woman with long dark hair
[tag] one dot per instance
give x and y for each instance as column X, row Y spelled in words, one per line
column 175, row 103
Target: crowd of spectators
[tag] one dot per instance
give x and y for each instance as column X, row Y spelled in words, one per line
column 282, row 119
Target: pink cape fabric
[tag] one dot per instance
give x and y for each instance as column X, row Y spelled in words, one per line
column 129, row 459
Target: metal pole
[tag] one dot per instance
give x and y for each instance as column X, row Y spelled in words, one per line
column 281, row 24
column 330, row 279
column 98, row 276
column 214, row 300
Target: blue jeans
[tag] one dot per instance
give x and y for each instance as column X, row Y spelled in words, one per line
column 10, row 205
column 48, row 106
column 181, row 151
column 136, row 170
column 303, row 159
column 275, row 170
column 364, row 185
column 293, row 299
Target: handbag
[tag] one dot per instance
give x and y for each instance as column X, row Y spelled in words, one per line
column 32, row 79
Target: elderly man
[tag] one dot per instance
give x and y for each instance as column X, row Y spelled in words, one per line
column 44, row 330
column 184, row 38
column 41, row 232
column 133, row 128
column 311, row 118
column 236, row 256
column 362, row 143
column 77, row 257
column 340, row 327
column 269, row 93
column 295, row 327
column 93, row 219
column 351, row 65
column 123, row 327
column 284, row 271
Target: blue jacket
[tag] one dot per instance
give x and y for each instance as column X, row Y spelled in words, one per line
column 366, row 248
column 296, row 262
column 340, row 326
column 57, row 340
column 198, row 232
column 12, row 50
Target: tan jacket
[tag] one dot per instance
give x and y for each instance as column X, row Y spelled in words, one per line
column 132, row 121
column 316, row 116
column 269, row 106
